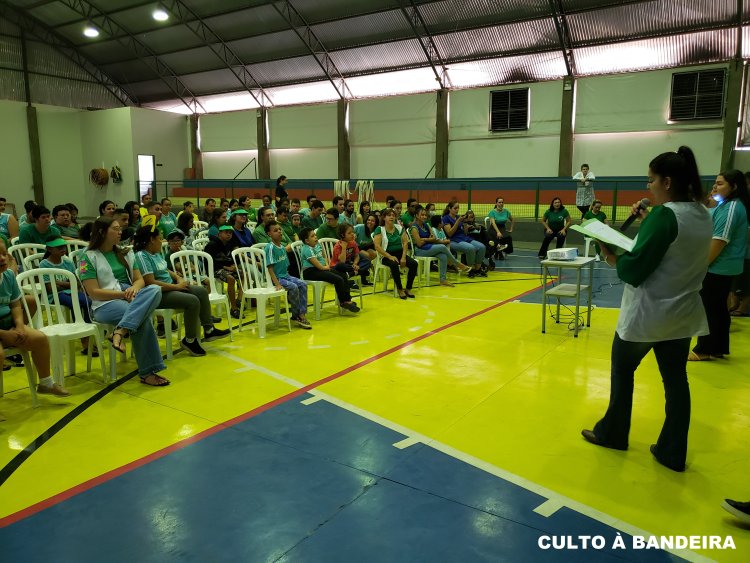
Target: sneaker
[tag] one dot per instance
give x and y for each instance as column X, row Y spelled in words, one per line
column 304, row 323
column 160, row 332
column 53, row 389
column 235, row 313
column 215, row 334
column 216, row 320
column 472, row 273
column 353, row 284
column 738, row 509
column 501, row 247
column 194, row 347
column 16, row 360
column 482, row 273
column 598, row 258
column 351, row 306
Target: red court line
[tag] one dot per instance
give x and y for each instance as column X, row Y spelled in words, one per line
column 108, row 476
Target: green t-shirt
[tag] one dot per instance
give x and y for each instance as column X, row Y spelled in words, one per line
column 308, row 252
column 29, row 234
column 599, row 216
column 326, row 231
column 556, row 219
column 500, row 217
column 167, row 224
column 88, row 272
column 288, row 230
column 276, row 257
column 9, row 292
column 312, row 222
column 407, row 219
column 657, row 231
column 65, row 264
column 730, row 226
column 394, row 239
column 153, row 264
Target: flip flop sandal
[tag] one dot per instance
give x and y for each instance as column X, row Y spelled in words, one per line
column 693, row 357
column 158, row 381
column 119, row 347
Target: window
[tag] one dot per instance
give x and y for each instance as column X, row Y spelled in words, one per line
column 697, row 95
column 509, row 110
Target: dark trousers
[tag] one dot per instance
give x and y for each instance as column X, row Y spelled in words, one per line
column 671, row 356
column 714, row 295
column 66, row 300
column 339, row 280
column 507, row 239
column 395, row 267
column 548, row 239
column 583, row 209
column 348, row 269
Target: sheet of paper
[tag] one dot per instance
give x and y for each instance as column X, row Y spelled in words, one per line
column 604, row 233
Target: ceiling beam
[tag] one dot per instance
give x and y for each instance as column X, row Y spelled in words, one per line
column 142, row 51
column 44, row 34
column 563, row 35
column 303, row 30
column 219, row 47
column 419, row 27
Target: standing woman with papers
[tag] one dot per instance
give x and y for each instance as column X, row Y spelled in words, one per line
column 726, row 259
column 661, row 306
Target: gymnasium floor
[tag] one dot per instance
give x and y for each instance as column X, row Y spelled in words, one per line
column 445, row 428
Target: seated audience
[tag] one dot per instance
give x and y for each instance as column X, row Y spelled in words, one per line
column 314, row 268
column 391, row 242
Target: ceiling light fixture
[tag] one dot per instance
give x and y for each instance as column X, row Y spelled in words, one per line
column 90, row 31
column 160, row 14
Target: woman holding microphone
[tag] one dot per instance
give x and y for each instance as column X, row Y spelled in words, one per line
column 661, row 305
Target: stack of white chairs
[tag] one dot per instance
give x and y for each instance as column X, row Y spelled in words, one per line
column 256, row 284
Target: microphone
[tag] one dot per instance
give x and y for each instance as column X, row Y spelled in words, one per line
column 643, row 204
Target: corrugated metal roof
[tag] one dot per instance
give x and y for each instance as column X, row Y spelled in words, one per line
column 44, row 59
column 468, row 13
column 10, row 53
column 383, row 56
column 659, row 52
column 363, row 30
column 649, row 19
column 287, row 71
column 507, row 70
column 487, row 41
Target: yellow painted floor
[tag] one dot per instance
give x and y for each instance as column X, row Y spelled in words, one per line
column 465, row 367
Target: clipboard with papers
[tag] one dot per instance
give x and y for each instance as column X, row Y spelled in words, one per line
column 604, row 233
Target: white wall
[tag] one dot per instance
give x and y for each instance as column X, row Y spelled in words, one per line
column 622, row 123
column 164, row 135
column 392, row 137
column 474, row 151
column 231, row 131
column 15, row 160
column 62, row 157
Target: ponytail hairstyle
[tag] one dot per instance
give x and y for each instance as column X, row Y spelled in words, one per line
column 143, row 236
column 593, row 203
column 99, row 230
column 682, row 170
column 738, row 182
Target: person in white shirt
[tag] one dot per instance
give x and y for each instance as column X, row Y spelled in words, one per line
column 585, row 190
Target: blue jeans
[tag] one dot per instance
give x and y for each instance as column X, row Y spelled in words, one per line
column 136, row 318
column 66, row 300
column 296, row 293
column 443, row 255
column 473, row 250
column 671, row 356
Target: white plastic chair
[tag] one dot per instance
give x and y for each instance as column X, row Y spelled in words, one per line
column 423, row 263
column 30, row 372
column 378, row 269
column 199, row 225
column 164, row 249
column 51, row 318
column 256, row 284
column 259, row 246
column 588, row 241
column 201, row 235
column 199, row 244
column 318, row 287
column 31, row 261
column 167, row 316
column 14, row 241
column 75, row 245
column 197, row 267
column 21, row 251
column 327, row 244
column 76, row 255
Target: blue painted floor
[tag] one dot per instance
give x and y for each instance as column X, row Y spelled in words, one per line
column 304, row 483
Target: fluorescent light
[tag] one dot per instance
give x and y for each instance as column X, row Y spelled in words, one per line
column 160, row 14
column 90, row 31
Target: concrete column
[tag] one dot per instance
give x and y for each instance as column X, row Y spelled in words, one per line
column 441, row 135
column 565, row 159
column 342, row 124
column 264, row 159
column 36, row 154
column 195, row 149
column 732, row 119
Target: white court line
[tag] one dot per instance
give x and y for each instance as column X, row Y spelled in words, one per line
column 389, row 336
column 447, row 297
column 405, row 443
column 311, row 400
column 517, row 480
column 319, row 347
column 414, row 328
column 270, row 348
column 548, row 508
column 428, row 320
column 357, row 342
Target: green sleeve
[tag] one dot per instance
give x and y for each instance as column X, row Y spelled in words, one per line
column 657, row 232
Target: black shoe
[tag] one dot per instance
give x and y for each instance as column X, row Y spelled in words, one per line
column 677, row 468
column 16, row 360
column 216, row 320
column 589, row 436
column 235, row 313
column 472, row 273
column 353, row 284
column 193, row 347
column 739, row 509
column 482, row 273
column 160, row 333
column 215, row 334
column 366, row 284
column 350, row 307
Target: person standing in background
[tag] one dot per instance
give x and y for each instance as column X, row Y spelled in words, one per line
column 585, row 190
column 281, row 192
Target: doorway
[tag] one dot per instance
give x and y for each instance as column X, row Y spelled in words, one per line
column 146, row 175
